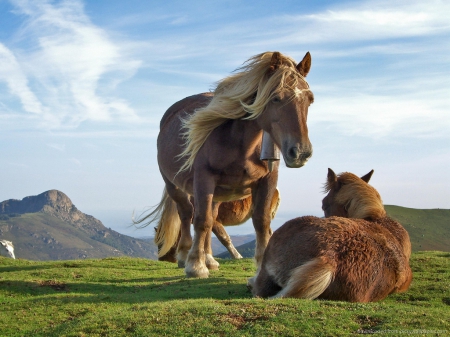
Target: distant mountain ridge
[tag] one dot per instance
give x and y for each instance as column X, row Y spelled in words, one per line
column 48, row 226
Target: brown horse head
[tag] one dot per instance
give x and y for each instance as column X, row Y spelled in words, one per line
column 286, row 107
column 351, row 197
column 271, row 89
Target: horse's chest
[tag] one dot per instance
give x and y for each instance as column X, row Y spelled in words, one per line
column 236, row 181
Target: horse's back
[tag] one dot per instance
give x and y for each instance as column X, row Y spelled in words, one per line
column 188, row 104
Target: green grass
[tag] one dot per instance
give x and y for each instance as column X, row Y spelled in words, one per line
column 138, row 297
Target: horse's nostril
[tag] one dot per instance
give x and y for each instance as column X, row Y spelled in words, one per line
column 294, row 152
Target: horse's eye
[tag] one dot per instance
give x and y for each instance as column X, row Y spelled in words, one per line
column 276, row 99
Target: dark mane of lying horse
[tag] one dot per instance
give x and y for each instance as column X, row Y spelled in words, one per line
column 338, row 258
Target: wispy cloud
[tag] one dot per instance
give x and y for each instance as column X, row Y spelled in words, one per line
column 59, row 63
column 379, row 20
column 11, row 73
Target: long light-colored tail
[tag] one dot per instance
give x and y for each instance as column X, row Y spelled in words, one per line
column 169, row 223
column 309, row 280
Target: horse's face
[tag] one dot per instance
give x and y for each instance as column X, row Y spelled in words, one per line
column 285, row 119
column 331, row 207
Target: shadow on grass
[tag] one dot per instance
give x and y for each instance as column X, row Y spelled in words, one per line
column 4, row 269
column 128, row 290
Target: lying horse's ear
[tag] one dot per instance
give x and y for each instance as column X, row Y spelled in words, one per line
column 305, row 65
column 331, row 177
column 275, row 61
column 367, row 177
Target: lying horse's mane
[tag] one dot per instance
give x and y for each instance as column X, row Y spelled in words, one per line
column 361, row 200
column 243, row 94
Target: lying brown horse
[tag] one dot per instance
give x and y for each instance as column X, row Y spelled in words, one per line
column 231, row 213
column 355, row 254
column 209, row 147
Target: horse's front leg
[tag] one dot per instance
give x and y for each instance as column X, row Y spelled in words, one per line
column 203, row 222
column 262, row 200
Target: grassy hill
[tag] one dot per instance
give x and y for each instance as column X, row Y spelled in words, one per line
column 124, row 296
column 429, row 229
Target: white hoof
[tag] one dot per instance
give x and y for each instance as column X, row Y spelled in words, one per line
column 211, row 264
column 235, row 254
column 196, row 269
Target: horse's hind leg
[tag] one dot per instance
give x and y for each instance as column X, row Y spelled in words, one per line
column 225, row 239
column 211, row 263
column 185, row 211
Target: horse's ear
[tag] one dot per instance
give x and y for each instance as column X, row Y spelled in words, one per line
column 275, row 61
column 367, row 177
column 305, row 65
column 331, row 177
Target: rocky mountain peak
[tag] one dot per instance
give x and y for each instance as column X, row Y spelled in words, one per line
column 52, row 202
column 54, row 199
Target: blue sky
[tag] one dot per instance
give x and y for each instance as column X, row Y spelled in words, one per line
column 83, row 85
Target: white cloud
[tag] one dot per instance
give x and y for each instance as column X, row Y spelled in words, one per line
column 370, row 20
column 12, row 74
column 68, row 62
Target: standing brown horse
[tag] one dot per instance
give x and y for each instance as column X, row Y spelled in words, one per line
column 231, row 213
column 362, row 259
column 209, row 147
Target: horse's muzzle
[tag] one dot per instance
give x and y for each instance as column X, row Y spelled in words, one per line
column 295, row 157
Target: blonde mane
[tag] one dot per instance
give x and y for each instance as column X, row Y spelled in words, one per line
column 244, row 94
column 361, row 200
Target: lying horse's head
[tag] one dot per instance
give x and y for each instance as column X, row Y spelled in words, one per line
column 351, row 197
column 286, row 97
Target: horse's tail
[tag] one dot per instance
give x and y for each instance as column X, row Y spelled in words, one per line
column 169, row 223
column 309, row 280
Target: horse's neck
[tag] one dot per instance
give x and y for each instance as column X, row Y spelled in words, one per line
column 247, row 130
